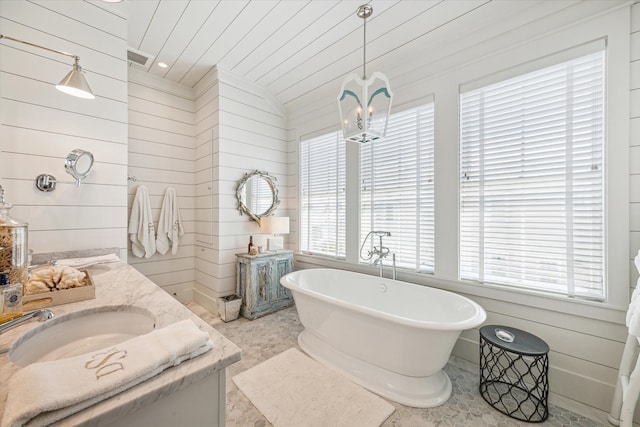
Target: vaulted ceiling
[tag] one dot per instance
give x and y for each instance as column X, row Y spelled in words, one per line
column 294, row 47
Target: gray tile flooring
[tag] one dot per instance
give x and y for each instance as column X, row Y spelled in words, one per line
column 270, row 335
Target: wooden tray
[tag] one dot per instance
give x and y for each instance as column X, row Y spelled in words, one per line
column 65, row 296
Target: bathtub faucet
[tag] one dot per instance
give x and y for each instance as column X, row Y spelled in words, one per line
column 381, row 251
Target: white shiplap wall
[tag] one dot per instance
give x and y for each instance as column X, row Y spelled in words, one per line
column 634, row 139
column 41, row 125
column 161, row 155
column 207, row 216
column 239, row 128
column 586, row 340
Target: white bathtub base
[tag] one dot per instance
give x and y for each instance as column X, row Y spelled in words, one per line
column 417, row 392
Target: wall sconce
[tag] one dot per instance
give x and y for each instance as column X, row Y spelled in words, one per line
column 275, row 225
column 74, row 82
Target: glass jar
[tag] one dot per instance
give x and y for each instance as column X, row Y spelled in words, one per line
column 13, row 244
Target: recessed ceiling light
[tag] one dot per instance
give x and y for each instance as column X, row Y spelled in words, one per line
column 162, row 65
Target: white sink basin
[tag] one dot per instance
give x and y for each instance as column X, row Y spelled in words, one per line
column 81, row 332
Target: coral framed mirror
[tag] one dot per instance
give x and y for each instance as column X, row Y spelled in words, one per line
column 257, row 195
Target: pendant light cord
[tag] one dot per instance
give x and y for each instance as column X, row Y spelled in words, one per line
column 364, row 51
column 364, row 12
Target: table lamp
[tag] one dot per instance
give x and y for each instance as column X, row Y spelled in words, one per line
column 275, row 225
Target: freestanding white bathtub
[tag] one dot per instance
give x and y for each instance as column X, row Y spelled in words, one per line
column 389, row 336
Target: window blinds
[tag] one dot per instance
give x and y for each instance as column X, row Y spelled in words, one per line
column 322, row 195
column 532, row 190
column 397, row 189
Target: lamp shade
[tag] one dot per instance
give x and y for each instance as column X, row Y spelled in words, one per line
column 75, row 84
column 275, row 224
column 364, row 106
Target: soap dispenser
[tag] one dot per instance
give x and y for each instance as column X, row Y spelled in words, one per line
column 13, row 245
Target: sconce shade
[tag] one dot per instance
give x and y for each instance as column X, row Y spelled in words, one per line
column 364, row 106
column 75, row 84
column 275, row 224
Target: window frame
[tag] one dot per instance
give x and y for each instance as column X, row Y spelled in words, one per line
column 426, row 112
column 591, row 54
column 328, row 136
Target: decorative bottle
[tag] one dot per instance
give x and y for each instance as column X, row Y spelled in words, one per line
column 250, row 244
column 13, row 254
column 10, row 298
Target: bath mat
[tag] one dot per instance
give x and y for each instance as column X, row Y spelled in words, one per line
column 291, row 389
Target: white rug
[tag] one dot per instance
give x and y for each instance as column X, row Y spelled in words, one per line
column 291, row 389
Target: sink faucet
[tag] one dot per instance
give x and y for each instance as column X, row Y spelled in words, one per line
column 41, row 315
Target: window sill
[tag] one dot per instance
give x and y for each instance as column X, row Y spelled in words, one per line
column 543, row 301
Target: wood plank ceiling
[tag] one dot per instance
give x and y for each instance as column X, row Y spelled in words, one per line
column 294, row 47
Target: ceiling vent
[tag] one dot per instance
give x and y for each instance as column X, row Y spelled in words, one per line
column 139, row 59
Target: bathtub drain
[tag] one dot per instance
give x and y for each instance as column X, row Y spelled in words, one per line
column 383, row 288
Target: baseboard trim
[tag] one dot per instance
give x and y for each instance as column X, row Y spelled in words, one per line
column 211, row 304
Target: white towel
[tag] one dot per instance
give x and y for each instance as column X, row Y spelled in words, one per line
column 170, row 225
column 46, row 392
column 633, row 318
column 633, row 312
column 141, row 231
column 89, row 261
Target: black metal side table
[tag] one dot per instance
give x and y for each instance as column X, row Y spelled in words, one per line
column 514, row 372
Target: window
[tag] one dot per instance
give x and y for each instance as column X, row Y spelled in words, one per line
column 322, row 195
column 531, row 190
column 396, row 193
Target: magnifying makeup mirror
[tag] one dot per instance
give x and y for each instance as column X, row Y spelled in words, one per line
column 79, row 164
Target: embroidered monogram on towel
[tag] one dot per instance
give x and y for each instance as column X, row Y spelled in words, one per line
column 45, row 392
column 102, row 362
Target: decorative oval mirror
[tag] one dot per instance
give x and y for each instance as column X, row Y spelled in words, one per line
column 79, row 164
column 257, row 195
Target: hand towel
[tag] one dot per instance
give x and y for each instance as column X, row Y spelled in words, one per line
column 633, row 319
column 170, row 225
column 88, row 261
column 633, row 312
column 45, row 392
column 141, row 231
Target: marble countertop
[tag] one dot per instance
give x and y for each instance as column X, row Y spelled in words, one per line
column 119, row 284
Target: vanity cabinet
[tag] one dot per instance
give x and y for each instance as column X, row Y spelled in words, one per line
column 258, row 282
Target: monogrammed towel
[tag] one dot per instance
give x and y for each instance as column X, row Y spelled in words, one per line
column 170, row 224
column 45, row 392
column 141, row 231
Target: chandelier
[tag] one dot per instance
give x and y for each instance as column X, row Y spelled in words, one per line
column 364, row 104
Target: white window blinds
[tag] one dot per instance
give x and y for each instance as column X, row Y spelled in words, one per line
column 531, row 190
column 322, row 195
column 396, row 193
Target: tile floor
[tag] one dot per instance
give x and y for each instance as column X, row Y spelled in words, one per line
column 270, row 335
